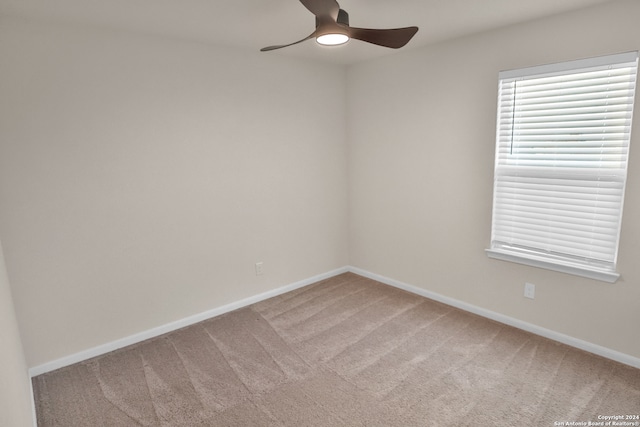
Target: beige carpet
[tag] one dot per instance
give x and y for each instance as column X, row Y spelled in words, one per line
column 347, row 351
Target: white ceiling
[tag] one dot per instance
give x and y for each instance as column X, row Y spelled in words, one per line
column 253, row 24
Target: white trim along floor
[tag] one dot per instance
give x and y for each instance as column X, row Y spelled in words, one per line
column 151, row 333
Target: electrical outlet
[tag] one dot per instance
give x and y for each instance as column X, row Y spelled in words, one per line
column 259, row 266
column 529, row 290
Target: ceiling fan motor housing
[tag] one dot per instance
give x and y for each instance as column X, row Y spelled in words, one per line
column 343, row 18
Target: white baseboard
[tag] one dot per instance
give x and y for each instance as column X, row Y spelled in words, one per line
column 152, row 333
column 547, row 333
column 34, row 416
column 178, row 324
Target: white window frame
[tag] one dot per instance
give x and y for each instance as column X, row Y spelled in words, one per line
column 553, row 166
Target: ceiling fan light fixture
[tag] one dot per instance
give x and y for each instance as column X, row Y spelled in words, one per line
column 333, row 39
column 332, row 28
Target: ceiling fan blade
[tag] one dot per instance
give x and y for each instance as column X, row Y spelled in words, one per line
column 322, row 8
column 268, row 48
column 394, row 38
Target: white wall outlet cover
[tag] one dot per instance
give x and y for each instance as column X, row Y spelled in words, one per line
column 259, row 270
column 530, row 290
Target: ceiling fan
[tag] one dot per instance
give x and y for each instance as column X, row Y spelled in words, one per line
column 332, row 28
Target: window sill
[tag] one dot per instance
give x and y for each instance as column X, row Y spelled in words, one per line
column 577, row 270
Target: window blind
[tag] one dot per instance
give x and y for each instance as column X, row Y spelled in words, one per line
column 562, row 144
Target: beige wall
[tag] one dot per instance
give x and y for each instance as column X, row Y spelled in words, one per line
column 15, row 399
column 141, row 179
column 422, row 135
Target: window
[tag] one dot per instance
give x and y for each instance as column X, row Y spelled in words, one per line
column 562, row 142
